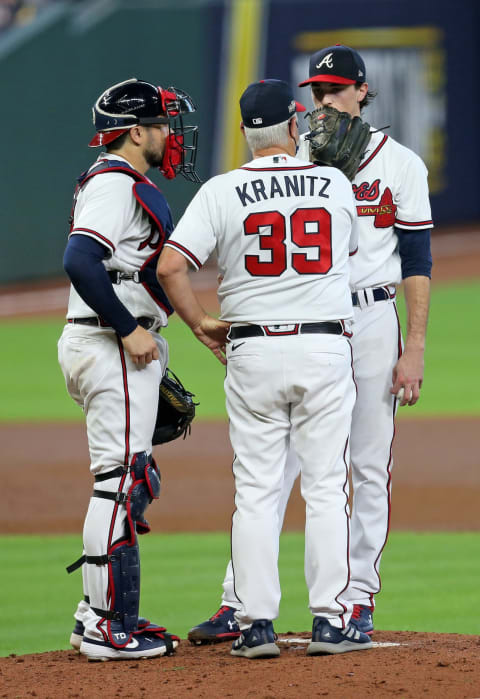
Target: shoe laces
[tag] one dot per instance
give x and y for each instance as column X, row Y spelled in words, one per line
column 222, row 610
column 359, row 609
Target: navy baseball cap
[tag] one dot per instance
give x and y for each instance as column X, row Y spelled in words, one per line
column 336, row 64
column 268, row 102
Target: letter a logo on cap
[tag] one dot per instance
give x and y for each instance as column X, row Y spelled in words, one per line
column 328, row 61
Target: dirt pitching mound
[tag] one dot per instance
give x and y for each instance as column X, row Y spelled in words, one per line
column 401, row 664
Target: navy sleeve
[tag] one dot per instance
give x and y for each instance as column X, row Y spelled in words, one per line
column 82, row 262
column 415, row 254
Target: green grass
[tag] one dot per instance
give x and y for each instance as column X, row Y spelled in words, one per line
column 430, row 584
column 33, row 388
column 451, row 356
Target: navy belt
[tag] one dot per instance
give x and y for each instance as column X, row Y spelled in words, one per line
column 379, row 294
column 334, row 327
column 144, row 321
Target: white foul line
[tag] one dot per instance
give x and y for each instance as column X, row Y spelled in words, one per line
column 375, row 644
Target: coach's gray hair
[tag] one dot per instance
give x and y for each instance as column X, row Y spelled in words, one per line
column 268, row 136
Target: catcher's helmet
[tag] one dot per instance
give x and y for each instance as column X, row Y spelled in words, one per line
column 136, row 102
column 123, row 106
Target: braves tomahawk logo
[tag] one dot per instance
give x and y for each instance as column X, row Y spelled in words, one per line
column 384, row 212
column 153, row 241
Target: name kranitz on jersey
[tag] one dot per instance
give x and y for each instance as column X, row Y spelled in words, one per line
column 282, row 230
column 107, row 211
column 391, row 191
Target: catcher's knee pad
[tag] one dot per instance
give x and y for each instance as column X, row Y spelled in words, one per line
column 145, row 487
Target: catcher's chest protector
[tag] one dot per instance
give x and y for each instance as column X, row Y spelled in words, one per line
column 156, row 207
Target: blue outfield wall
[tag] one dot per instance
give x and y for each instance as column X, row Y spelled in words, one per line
column 420, row 57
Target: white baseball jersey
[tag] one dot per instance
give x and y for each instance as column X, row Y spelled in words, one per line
column 276, row 218
column 390, row 190
column 107, row 211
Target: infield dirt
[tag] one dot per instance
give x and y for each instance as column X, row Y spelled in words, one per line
column 421, row 665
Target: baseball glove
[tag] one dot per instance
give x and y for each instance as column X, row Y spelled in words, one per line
column 176, row 410
column 337, row 139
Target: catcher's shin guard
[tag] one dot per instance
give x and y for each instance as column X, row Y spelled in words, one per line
column 120, row 619
column 123, row 593
column 123, row 556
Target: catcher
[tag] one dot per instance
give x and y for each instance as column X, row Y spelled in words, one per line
column 113, row 356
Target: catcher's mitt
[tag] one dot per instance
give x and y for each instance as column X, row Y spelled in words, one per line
column 176, row 410
column 337, row 139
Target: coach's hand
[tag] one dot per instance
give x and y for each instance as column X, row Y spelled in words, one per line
column 141, row 347
column 213, row 333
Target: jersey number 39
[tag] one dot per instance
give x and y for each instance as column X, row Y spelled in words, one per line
column 274, row 241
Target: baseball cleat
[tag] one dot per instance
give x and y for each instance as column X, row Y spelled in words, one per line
column 327, row 639
column 149, row 630
column 220, row 627
column 145, row 628
column 257, row 642
column 362, row 618
column 138, row 647
column 77, row 635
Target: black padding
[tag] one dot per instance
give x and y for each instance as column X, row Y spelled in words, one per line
column 125, row 569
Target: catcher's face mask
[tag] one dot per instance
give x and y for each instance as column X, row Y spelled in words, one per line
column 181, row 145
